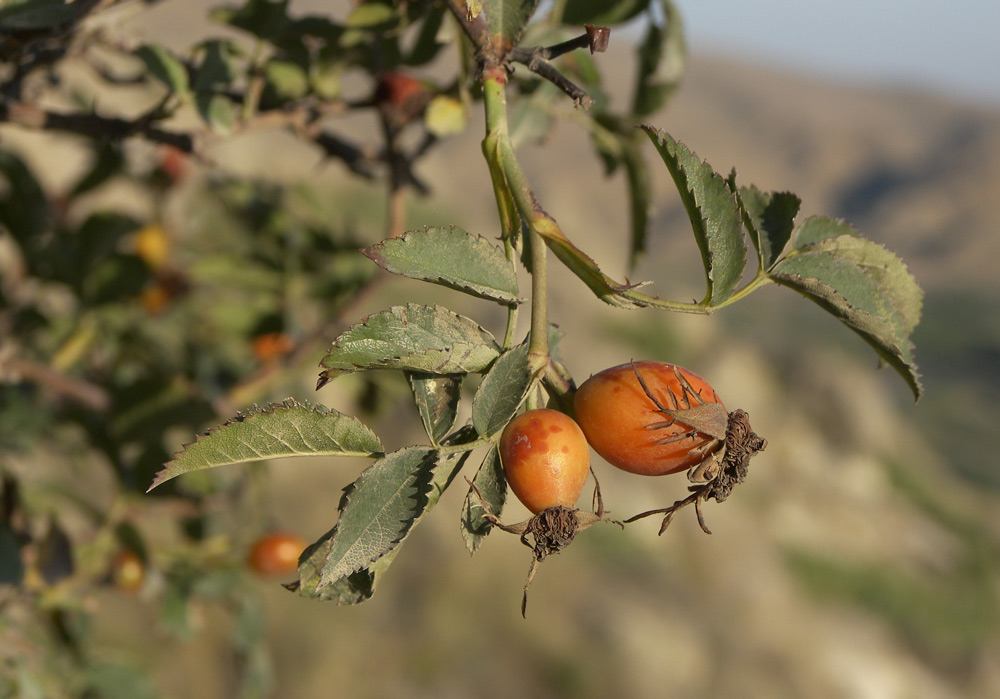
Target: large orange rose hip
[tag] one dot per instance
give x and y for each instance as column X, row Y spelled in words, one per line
column 625, row 426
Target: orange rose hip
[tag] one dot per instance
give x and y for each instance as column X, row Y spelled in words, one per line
column 545, row 458
column 626, row 426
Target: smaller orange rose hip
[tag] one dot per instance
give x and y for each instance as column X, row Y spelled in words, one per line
column 545, row 458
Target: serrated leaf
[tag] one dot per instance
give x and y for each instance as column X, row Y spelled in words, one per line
column 506, row 19
column 378, row 512
column 501, row 392
column 290, row 428
column 352, row 589
column 770, row 219
column 437, row 402
column 861, row 283
column 165, row 67
column 714, row 214
column 382, row 507
column 450, row 257
column 816, row 229
column 491, row 486
column 413, row 337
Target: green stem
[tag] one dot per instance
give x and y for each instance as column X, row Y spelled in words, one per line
column 538, row 347
column 757, row 282
column 495, row 101
column 515, row 201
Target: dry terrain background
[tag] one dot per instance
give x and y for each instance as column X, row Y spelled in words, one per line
column 861, row 559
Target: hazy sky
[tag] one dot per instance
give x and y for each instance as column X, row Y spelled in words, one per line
column 943, row 45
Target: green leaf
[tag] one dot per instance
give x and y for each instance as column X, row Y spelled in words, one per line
column 107, row 162
column 770, row 219
column 217, row 70
column 437, row 402
column 506, row 19
column 662, row 57
column 602, row 12
column 290, row 428
column 861, row 283
column 11, row 565
column 501, row 392
column 351, row 589
column 24, row 207
column 31, row 15
column 372, row 16
column 360, row 585
column 384, row 504
column 414, row 337
column 714, row 214
column 378, row 511
column 118, row 681
column 166, row 68
column 218, row 111
column 265, row 19
column 426, row 44
column 284, row 81
column 445, row 116
column 450, row 257
column 491, row 486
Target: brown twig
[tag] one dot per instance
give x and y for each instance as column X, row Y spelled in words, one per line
column 87, row 394
column 88, row 124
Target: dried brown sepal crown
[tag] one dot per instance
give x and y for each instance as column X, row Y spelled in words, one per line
column 727, row 455
column 548, row 532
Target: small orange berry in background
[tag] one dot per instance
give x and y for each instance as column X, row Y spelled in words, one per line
column 276, row 553
column 173, row 162
column 545, row 458
column 128, row 572
column 272, row 346
column 152, row 246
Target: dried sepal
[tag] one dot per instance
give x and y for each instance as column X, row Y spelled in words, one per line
column 716, row 476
